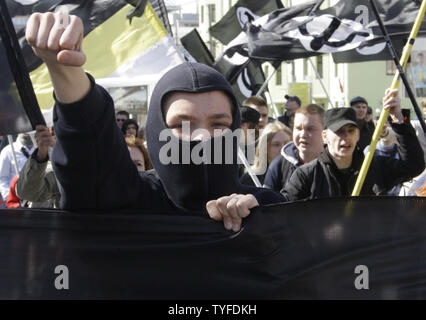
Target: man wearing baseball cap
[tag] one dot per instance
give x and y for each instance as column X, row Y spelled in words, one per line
column 335, row 171
column 293, row 103
column 360, row 105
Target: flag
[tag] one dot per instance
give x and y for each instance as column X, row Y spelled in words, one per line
column 138, row 10
column 158, row 6
column 249, row 81
column 245, row 77
column 398, row 17
column 314, row 249
column 293, row 33
column 115, row 48
column 19, row 111
column 161, row 11
column 195, row 46
column 302, row 31
column 233, row 21
column 92, row 13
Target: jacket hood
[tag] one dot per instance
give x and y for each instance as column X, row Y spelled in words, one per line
column 188, row 183
column 289, row 152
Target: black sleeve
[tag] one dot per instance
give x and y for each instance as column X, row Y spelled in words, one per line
column 298, row 187
column 90, row 158
column 273, row 177
column 263, row 196
column 247, row 180
column 411, row 163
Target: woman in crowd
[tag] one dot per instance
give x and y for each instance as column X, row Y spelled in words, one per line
column 272, row 139
column 138, row 152
column 130, row 126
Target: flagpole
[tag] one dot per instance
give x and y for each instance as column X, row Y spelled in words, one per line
column 384, row 114
column 274, row 107
column 243, row 159
column 322, row 84
column 262, row 88
column 398, row 65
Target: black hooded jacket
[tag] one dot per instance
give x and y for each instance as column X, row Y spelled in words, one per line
column 321, row 178
column 94, row 168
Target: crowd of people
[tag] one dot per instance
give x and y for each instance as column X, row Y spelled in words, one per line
column 101, row 158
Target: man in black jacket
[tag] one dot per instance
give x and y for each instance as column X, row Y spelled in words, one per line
column 335, row 172
column 91, row 159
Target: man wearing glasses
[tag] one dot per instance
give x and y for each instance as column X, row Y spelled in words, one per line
column 121, row 116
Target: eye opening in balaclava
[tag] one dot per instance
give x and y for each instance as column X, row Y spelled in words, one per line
column 165, row 106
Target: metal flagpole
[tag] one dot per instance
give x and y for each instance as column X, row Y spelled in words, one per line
column 262, row 88
column 243, row 159
column 384, row 114
column 398, row 65
column 15, row 163
column 274, row 107
column 322, row 84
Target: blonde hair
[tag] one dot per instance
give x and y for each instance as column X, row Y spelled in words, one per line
column 265, row 139
column 255, row 101
column 313, row 109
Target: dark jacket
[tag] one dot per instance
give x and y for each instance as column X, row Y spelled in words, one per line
column 366, row 133
column 248, row 181
column 321, row 178
column 282, row 167
column 285, row 119
column 94, row 168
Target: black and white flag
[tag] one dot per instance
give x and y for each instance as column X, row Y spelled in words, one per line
column 398, row 17
column 295, row 32
column 245, row 76
column 347, row 30
column 233, row 21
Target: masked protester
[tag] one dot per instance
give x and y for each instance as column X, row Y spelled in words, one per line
column 91, row 159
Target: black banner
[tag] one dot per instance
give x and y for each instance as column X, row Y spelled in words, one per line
column 360, row 248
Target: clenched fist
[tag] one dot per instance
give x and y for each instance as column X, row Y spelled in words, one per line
column 56, row 38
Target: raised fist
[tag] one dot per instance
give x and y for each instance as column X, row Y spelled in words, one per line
column 56, row 38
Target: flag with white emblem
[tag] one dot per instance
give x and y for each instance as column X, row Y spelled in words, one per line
column 348, row 30
column 398, row 17
column 233, row 21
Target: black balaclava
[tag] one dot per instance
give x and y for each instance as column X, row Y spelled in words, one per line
column 190, row 186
